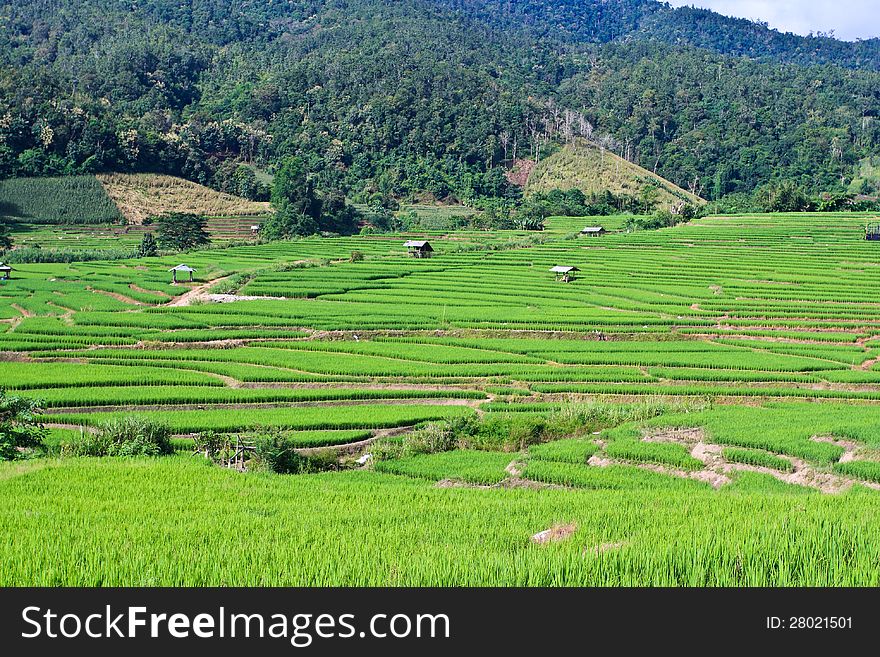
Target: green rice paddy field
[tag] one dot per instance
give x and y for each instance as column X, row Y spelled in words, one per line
column 719, row 381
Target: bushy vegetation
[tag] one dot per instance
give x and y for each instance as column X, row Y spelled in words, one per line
column 20, row 429
column 300, row 211
column 792, row 196
column 274, row 452
column 574, row 203
column 127, row 436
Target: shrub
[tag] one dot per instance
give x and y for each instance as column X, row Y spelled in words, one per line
column 509, row 433
column 148, row 247
column 20, row 430
column 275, row 453
column 129, row 436
column 430, row 439
column 211, row 444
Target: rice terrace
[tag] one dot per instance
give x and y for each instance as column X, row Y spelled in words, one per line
column 698, row 406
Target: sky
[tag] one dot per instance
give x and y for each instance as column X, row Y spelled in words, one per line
column 850, row 19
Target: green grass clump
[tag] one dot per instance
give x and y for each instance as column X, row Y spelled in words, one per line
column 470, row 466
column 660, row 453
column 759, row 483
column 614, row 477
column 757, row 457
column 574, row 450
column 868, row 470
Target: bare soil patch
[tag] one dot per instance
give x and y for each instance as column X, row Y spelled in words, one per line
column 558, row 532
column 514, row 469
column 520, row 171
column 678, row 436
column 195, row 294
column 849, row 446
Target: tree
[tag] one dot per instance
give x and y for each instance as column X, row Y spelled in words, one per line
column 337, row 216
column 297, row 208
column 148, row 247
column 182, row 231
column 785, row 196
column 5, row 236
column 20, row 429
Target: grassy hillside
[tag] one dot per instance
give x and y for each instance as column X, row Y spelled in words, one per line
column 67, row 200
column 139, row 196
column 867, row 179
column 590, row 169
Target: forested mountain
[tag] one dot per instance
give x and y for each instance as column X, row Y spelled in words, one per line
column 390, row 99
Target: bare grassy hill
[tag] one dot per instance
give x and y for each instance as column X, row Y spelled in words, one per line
column 142, row 195
column 590, row 169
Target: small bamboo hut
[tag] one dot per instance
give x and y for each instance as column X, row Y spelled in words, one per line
column 181, row 268
column 419, row 248
column 564, row 273
column 5, row 271
column 593, row 231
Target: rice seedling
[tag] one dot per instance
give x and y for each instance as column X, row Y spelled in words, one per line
column 476, row 467
column 576, row 450
column 757, row 457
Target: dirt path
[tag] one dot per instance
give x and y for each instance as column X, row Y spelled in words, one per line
column 228, row 381
column 714, row 479
column 867, row 365
column 66, row 313
column 24, row 312
column 158, row 293
column 849, row 447
column 15, row 357
column 195, row 294
column 116, row 295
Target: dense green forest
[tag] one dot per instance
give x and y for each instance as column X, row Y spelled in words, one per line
column 387, row 100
